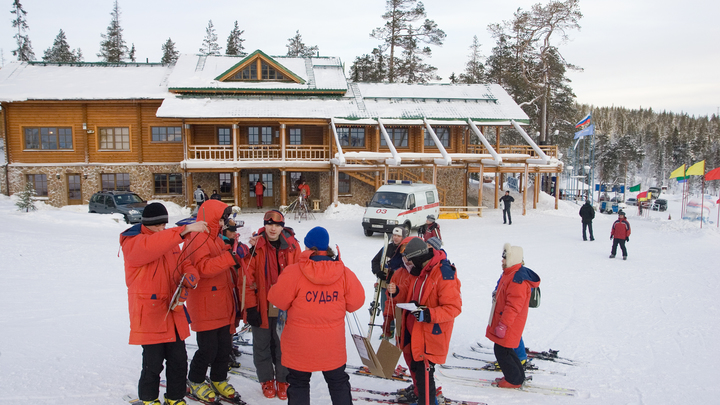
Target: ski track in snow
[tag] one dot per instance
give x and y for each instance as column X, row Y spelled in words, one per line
column 643, row 330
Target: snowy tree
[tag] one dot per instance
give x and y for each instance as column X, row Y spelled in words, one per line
column 474, row 69
column 297, row 48
column 113, row 48
column 25, row 198
column 170, row 55
column 235, row 43
column 60, row 51
column 210, row 42
column 370, row 68
column 411, row 68
column 131, row 54
column 398, row 30
column 24, row 51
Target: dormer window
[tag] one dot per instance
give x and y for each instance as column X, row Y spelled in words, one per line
column 259, row 67
column 250, row 72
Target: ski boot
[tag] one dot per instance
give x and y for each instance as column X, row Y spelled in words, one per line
column 153, row 402
column 174, row 401
column 224, row 389
column 201, row 391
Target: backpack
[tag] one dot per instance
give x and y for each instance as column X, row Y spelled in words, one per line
column 534, row 297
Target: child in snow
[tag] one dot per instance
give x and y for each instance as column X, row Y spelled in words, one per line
column 620, row 233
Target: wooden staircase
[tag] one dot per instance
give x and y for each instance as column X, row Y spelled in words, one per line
column 396, row 174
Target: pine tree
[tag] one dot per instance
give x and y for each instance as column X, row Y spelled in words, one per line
column 25, row 198
column 131, row 54
column 113, row 48
column 24, row 51
column 297, row 48
column 60, row 52
column 474, row 69
column 370, row 68
column 210, row 45
column 235, row 43
column 170, row 55
column 411, row 68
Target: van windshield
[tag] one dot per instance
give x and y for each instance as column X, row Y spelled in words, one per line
column 388, row 200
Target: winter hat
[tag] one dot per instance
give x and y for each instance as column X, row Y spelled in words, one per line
column 154, row 214
column 417, row 252
column 431, row 218
column 621, row 212
column 274, row 217
column 513, row 255
column 435, row 242
column 400, row 231
column 317, row 238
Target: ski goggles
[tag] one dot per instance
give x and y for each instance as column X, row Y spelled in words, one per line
column 274, row 217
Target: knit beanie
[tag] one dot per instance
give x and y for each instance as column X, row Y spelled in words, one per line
column 513, row 255
column 317, row 238
column 431, row 218
column 417, row 252
column 154, row 214
column 435, row 242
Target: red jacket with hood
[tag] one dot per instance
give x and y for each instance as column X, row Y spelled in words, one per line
column 620, row 229
column 213, row 303
column 154, row 267
column 316, row 292
column 262, row 255
column 512, row 297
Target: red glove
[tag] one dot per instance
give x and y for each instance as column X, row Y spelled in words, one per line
column 500, row 330
column 180, row 298
column 190, row 280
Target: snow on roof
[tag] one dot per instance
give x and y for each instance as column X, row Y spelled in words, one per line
column 21, row 81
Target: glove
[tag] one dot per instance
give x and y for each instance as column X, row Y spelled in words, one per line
column 500, row 330
column 190, row 280
column 253, row 317
column 422, row 314
column 180, row 298
column 241, row 250
column 627, row 239
column 611, row 237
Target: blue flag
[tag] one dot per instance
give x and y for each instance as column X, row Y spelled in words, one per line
column 585, row 132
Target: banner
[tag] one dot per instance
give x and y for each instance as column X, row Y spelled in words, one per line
column 583, row 121
column 698, row 169
column 585, row 132
column 634, row 188
column 713, row 174
column 679, row 172
column 643, row 196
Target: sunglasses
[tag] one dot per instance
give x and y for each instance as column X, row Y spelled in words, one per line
column 274, row 216
column 504, row 255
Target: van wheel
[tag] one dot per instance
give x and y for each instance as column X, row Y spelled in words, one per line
column 407, row 227
column 368, row 232
column 127, row 219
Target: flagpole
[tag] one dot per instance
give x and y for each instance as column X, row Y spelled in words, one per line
column 702, row 200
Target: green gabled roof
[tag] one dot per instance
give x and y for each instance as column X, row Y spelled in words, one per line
column 259, row 54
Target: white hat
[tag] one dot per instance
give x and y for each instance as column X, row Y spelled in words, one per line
column 513, row 255
column 400, row 231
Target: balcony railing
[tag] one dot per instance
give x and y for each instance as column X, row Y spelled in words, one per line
column 259, row 152
column 550, row 150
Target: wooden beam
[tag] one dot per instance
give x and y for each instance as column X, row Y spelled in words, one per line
column 236, row 187
column 525, row 190
column 497, row 188
column 480, row 187
column 283, row 187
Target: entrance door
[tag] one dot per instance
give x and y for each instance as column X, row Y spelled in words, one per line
column 74, row 189
column 268, row 198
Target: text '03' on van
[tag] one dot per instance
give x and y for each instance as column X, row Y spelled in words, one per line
column 400, row 203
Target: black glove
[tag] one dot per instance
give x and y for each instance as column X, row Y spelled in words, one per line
column 253, row 317
column 627, row 239
column 422, row 314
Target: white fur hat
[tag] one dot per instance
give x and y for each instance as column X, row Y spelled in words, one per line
column 513, row 255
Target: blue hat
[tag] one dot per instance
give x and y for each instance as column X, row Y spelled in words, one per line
column 317, row 238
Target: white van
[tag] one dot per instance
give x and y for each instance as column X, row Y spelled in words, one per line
column 400, row 203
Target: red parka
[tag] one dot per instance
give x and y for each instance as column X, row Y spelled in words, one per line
column 620, row 229
column 213, row 303
column 154, row 267
column 316, row 292
column 259, row 279
column 512, row 298
column 440, row 292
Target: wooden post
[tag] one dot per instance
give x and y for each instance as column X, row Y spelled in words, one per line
column 497, row 187
column 138, row 117
column 236, row 130
column 236, row 188
column 480, row 187
column 336, row 200
column 536, row 190
column 282, row 149
column 283, row 185
column 465, row 186
column 435, row 174
column 525, row 189
column 387, row 172
column 557, row 189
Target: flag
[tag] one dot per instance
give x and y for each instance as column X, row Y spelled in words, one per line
column 642, row 196
column 713, row 174
column 583, row 121
column 682, row 179
column 634, row 188
column 679, row 172
column 698, row 169
column 585, row 132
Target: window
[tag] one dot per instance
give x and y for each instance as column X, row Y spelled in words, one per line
column 256, row 135
column 116, row 181
column 399, row 137
column 294, row 180
column 270, row 73
column 115, row 138
column 250, row 72
column 295, row 136
column 166, row 134
column 430, row 197
column 353, row 137
column 171, row 183
column 48, row 138
column 267, row 179
column 39, row 183
column 443, row 135
column 224, row 137
column 343, row 183
column 225, row 180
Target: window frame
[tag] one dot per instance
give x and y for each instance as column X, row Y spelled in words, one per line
column 104, row 181
column 102, row 132
column 267, row 181
column 170, row 185
column 177, row 135
column 393, row 132
column 444, row 140
column 347, row 138
column 38, row 179
column 220, row 182
column 295, row 136
column 39, row 134
column 342, row 181
column 220, row 137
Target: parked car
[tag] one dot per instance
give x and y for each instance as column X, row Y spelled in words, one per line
column 631, row 201
column 659, row 205
column 654, row 192
column 130, row 205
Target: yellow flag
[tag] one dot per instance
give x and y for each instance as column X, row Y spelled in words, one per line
column 698, row 169
column 679, row 172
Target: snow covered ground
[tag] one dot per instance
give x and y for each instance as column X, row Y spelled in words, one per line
column 643, row 330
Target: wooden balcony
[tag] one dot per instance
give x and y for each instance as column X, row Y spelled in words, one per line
column 225, row 153
column 549, row 150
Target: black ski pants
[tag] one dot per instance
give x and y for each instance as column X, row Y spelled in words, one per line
column 421, row 380
column 214, row 348
column 175, row 356
column 617, row 242
column 587, row 225
column 510, row 364
column 338, row 382
column 506, row 211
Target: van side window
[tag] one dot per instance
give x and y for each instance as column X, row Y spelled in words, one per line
column 411, row 201
column 430, row 197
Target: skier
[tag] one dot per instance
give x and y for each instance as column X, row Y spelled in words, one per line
column 430, row 229
column 506, row 200
column 334, row 290
column 587, row 213
column 509, row 313
column 259, row 191
column 154, row 269
column 303, row 189
column 199, row 196
column 213, row 305
column 275, row 249
column 434, row 287
column 215, row 196
column 384, row 272
column 620, row 233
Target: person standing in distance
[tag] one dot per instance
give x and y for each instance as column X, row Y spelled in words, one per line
column 199, row 196
column 316, row 292
column 506, row 200
column 259, row 192
column 620, row 233
column 587, row 213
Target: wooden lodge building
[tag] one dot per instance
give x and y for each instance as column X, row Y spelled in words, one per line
column 223, row 122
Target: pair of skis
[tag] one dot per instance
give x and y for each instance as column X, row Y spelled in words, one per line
column 393, row 398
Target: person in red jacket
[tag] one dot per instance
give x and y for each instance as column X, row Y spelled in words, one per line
column 426, row 331
column 275, row 249
column 259, row 191
column 154, row 271
column 213, row 305
column 509, row 314
column 620, row 233
column 430, row 229
column 316, row 292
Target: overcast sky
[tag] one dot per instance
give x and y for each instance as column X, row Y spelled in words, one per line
column 635, row 53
